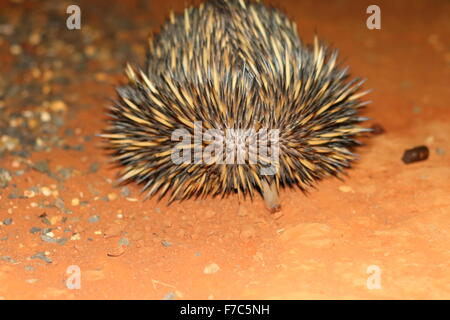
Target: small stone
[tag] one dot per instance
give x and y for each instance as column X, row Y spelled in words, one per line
column 429, row 140
column 93, row 168
column 5, row 178
column 29, row 194
column 42, row 256
column 29, row 268
column 31, row 281
column 34, row 230
column 7, row 221
column 47, row 238
column 124, row 241
column 75, row 237
column 34, row 38
column 55, row 219
column 15, row 49
column 45, row 116
column 101, row 76
column 59, row 203
column 170, row 296
column 166, row 243
column 346, row 189
column 94, row 218
column 58, row 106
column 61, row 241
column 8, row 259
column 125, row 192
column 42, row 167
column 46, row 191
column 45, row 220
column 90, row 51
column 112, row 196
column 211, row 268
column 416, row 154
column 75, row 202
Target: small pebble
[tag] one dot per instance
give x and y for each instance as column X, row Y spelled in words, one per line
column 166, row 243
column 5, row 178
column 29, row 268
column 31, row 281
column 112, row 196
column 7, row 221
column 59, row 203
column 211, row 268
column 124, row 241
column 93, row 168
column 29, row 194
column 416, row 154
column 42, row 256
column 345, row 189
column 42, row 167
column 47, row 238
column 170, row 296
column 76, row 236
column 15, row 49
column 94, row 218
column 8, row 259
column 46, row 191
column 125, row 192
column 429, row 140
column 34, row 230
column 58, row 106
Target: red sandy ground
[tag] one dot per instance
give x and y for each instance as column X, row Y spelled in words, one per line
column 385, row 213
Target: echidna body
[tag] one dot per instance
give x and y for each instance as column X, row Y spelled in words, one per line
column 234, row 65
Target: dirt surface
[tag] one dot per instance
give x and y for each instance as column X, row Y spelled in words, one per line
column 59, row 207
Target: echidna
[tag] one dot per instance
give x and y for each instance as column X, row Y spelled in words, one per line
column 234, row 74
